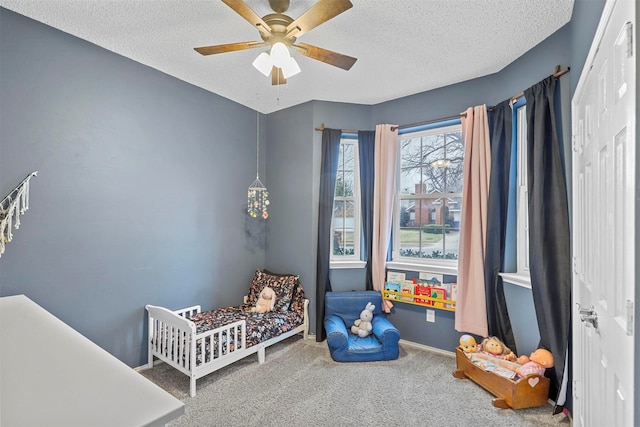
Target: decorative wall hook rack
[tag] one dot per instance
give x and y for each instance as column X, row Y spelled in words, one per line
column 16, row 203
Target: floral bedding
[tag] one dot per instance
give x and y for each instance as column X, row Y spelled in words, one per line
column 260, row 326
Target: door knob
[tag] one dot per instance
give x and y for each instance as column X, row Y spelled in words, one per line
column 588, row 315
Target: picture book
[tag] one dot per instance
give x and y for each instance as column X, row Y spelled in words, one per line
column 407, row 288
column 431, row 277
column 438, row 293
column 452, row 294
column 422, row 289
column 395, row 277
column 394, row 287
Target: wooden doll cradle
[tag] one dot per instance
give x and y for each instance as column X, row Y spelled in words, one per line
column 526, row 392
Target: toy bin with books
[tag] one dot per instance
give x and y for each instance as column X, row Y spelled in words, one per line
column 429, row 290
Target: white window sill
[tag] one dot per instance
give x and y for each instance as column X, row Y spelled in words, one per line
column 522, row 280
column 422, row 267
column 345, row 264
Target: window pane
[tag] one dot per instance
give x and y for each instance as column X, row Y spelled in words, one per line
column 452, row 228
column 348, row 153
column 432, row 170
column 349, row 243
column 345, row 225
column 455, row 162
column 433, row 148
column 410, row 227
column 410, row 150
column 339, row 186
column 338, row 227
column 410, row 176
column 348, row 184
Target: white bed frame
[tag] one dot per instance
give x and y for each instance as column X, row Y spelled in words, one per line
column 178, row 342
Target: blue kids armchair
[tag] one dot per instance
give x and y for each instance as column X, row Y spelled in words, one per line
column 341, row 310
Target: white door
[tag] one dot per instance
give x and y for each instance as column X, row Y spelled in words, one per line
column 604, row 147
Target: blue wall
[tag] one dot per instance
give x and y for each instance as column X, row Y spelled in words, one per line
column 526, row 71
column 535, row 65
column 293, row 171
column 141, row 189
column 142, row 186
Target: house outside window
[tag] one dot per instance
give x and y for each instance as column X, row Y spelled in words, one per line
column 345, row 224
column 429, row 198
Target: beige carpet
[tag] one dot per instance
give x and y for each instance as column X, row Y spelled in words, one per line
column 300, row 385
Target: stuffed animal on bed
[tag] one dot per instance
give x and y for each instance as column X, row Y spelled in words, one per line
column 362, row 327
column 266, row 301
column 497, row 348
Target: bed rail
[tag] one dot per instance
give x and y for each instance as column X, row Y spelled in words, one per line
column 173, row 339
column 188, row 311
column 169, row 338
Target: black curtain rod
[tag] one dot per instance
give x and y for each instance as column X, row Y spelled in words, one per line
column 557, row 73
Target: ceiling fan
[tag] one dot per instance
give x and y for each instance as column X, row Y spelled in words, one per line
column 279, row 28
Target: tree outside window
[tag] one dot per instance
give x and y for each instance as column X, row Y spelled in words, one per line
column 430, row 194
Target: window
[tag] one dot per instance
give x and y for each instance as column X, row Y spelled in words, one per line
column 429, row 197
column 516, row 258
column 345, row 242
column 522, row 234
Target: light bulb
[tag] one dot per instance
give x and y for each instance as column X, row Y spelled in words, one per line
column 263, row 63
column 279, row 54
column 290, row 68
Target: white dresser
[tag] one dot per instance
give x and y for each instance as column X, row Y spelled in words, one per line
column 51, row 375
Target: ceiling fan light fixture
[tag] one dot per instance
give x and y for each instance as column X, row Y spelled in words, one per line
column 290, row 68
column 263, row 63
column 280, row 32
column 280, row 55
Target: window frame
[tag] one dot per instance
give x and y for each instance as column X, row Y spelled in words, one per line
column 354, row 260
column 522, row 200
column 434, row 265
column 518, row 268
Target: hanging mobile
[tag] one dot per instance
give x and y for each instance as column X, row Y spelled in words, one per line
column 257, row 195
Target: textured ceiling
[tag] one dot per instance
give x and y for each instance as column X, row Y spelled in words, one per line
column 403, row 46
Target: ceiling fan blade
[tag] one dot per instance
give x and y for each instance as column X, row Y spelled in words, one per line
column 333, row 58
column 320, row 12
column 277, row 78
column 231, row 47
column 249, row 15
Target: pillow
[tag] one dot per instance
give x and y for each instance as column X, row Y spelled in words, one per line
column 297, row 302
column 255, row 288
column 282, row 284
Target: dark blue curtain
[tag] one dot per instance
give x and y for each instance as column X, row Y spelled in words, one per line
column 366, row 150
column 328, row 170
column 549, row 245
column 500, row 128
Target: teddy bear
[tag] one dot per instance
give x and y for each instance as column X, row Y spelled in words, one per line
column 266, row 301
column 536, row 363
column 362, row 327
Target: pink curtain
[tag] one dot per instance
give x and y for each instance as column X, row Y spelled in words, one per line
column 471, row 309
column 385, row 158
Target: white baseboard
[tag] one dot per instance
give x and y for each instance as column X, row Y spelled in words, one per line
column 311, row 336
column 428, row 348
column 146, row 367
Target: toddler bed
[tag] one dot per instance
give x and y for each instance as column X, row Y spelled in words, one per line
column 198, row 343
